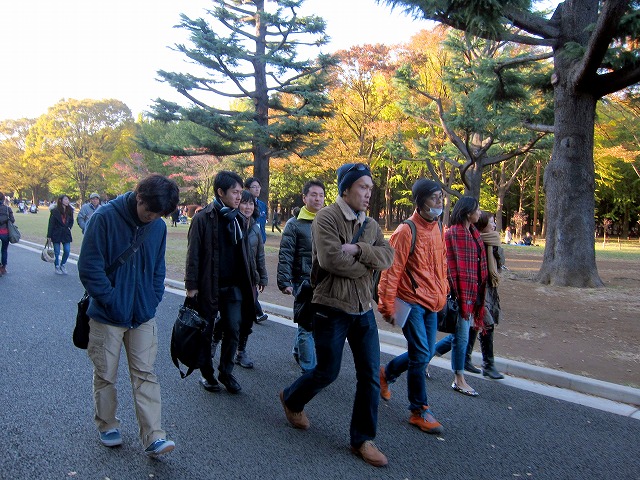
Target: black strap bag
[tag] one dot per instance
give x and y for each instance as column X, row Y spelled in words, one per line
column 187, row 338
column 302, row 307
column 448, row 316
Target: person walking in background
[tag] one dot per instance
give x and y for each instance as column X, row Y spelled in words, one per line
column 123, row 305
column 347, row 246
column 87, row 210
column 257, row 268
column 59, row 232
column 294, row 270
column 175, row 216
column 486, row 225
column 254, row 186
column 218, row 277
column 467, row 272
column 6, row 216
column 417, row 283
column 275, row 222
column 508, row 236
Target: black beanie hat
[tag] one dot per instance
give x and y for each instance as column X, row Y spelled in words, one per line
column 422, row 189
column 349, row 173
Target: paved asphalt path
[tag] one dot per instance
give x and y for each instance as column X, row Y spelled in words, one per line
column 46, row 412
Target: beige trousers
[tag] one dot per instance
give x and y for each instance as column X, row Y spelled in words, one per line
column 141, row 347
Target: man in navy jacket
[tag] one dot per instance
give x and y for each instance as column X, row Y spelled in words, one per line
column 123, row 305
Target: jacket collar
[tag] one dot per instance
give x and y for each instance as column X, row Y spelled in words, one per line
column 348, row 212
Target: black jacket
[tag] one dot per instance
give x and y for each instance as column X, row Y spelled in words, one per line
column 59, row 231
column 256, row 254
column 294, row 260
column 203, row 262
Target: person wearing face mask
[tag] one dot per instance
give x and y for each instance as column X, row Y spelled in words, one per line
column 495, row 261
column 419, row 281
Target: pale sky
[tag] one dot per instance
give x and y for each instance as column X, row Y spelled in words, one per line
column 83, row 49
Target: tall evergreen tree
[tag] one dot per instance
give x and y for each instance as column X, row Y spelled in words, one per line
column 595, row 52
column 250, row 58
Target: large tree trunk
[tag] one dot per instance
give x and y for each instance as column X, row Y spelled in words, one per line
column 569, row 185
column 261, row 103
column 473, row 177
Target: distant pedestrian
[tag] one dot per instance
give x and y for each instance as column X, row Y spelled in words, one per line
column 59, row 233
column 255, row 187
column 294, row 269
column 175, row 216
column 508, row 236
column 6, row 216
column 275, row 221
column 87, row 210
column 123, row 306
column 347, row 247
column 467, row 272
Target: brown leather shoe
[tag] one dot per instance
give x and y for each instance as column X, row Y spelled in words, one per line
column 370, row 454
column 425, row 421
column 296, row 419
column 385, row 393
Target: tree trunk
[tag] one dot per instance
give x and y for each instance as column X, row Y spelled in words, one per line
column 569, row 185
column 502, row 191
column 387, row 202
column 261, row 103
column 473, row 177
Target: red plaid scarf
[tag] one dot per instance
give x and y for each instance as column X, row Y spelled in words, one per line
column 465, row 250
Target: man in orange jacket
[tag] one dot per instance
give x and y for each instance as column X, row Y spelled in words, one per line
column 411, row 292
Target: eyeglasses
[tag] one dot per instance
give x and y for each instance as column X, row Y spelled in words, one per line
column 436, row 196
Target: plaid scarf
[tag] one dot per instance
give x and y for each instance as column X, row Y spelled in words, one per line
column 467, row 262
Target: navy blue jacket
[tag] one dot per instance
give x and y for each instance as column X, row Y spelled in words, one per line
column 129, row 296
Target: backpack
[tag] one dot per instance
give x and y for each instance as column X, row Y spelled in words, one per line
column 187, row 339
column 377, row 273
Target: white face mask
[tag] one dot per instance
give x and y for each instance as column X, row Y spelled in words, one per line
column 436, row 212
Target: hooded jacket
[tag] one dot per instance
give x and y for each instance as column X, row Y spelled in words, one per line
column 130, row 295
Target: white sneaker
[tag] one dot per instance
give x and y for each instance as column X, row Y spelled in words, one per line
column 63, row 269
column 59, row 270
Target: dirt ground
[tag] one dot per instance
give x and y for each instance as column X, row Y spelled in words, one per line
column 589, row 332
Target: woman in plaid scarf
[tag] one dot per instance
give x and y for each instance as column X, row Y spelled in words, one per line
column 467, row 266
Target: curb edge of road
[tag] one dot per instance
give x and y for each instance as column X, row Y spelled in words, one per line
column 549, row 376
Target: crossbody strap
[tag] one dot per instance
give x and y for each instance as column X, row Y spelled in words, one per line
column 122, row 259
column 359, row 232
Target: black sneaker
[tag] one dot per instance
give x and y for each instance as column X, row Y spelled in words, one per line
column 261, row 318
column 210, row 386
column 230, row 383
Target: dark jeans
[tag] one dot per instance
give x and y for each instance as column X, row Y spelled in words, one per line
column 420, row 330
column 5, row 246
column 228, row 324
column 331, row 328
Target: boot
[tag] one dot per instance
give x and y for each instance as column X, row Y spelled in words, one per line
column 488, row 367
column 242, row 358
column 468, row 366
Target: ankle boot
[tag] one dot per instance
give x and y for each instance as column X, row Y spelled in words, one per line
column 468, row 365
column 242, row 358
column 488, row 367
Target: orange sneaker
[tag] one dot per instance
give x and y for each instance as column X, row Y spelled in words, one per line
column 425, row 421
column 385, row 392
column 370, row 454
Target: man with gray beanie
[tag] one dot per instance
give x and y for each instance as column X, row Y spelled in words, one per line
column 87, row 210
column 347, row 246
column 411, row 293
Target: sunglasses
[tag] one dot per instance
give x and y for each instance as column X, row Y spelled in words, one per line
column 358, row 167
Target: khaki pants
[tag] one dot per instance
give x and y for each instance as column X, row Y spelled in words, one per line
column 141, row 347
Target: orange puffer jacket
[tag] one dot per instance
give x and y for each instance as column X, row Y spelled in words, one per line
column 428, row 266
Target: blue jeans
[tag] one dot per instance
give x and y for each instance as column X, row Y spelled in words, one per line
column 457, row 343
column 66, row 249
column 5, row 247
column 331, row 328
column 420, row 330
column 304, row 349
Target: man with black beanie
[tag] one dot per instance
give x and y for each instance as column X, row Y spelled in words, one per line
column 347, row 246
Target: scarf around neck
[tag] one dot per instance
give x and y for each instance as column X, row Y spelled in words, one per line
column 234, row 229
column 492, row 239
column 305, row 214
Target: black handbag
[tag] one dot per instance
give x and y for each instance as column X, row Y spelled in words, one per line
column 188, row 339
column 302, row 309
column 81, row 329
column 448, row 316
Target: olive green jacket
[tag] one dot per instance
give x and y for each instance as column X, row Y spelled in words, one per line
column 340, row 280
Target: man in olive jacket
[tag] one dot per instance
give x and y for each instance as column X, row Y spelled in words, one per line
column 344, row 258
